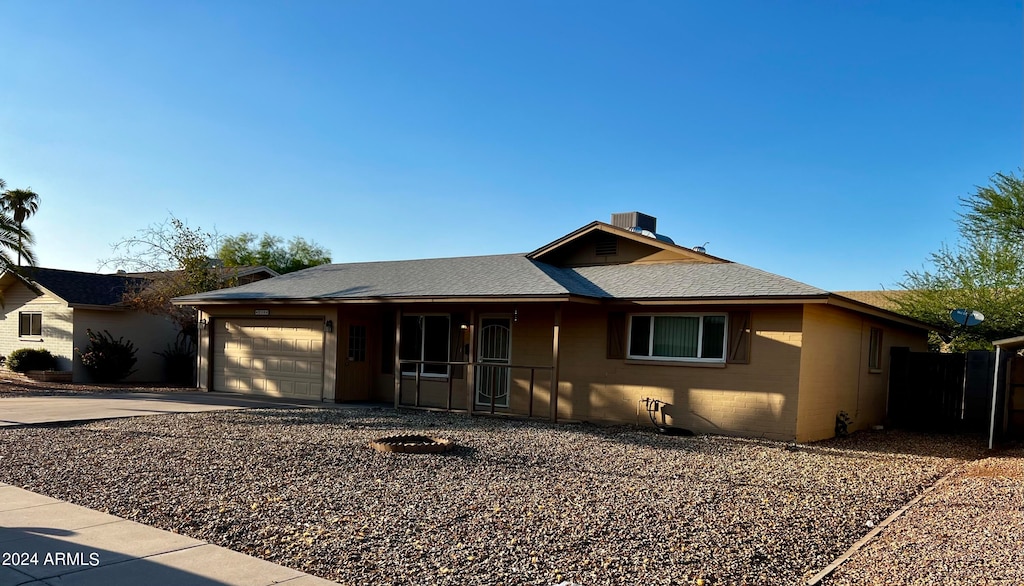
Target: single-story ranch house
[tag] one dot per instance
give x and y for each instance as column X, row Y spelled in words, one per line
column 52, row 309
column 606, row 316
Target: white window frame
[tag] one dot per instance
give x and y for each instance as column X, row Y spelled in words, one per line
column 700, row 338
column 410, row 369
column 875, row 349
column 30, row 335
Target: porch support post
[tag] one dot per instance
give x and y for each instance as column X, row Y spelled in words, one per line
column 471, row 368
column 995, row 397
column 398, row 359
column 204, row 353
column 554, row 362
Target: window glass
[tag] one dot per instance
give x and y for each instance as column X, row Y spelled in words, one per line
column 30, row 324
column 357, row 343
column 640, row 335
column 875, row 350
column 425, row 337
column 676, row 337
column 713, row 345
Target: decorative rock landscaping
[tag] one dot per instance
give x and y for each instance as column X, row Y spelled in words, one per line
column 514, row 502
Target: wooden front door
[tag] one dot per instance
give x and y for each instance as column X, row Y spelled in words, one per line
column 354, row 379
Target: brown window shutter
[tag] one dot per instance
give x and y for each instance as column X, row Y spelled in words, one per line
column 616, row 348
column 457, row 347
column 740, row 333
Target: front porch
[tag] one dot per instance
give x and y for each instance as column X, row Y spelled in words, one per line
column 496, row 359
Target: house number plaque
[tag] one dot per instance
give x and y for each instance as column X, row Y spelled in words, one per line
column 262, row 312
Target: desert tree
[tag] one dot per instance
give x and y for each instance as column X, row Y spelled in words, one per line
column 983, row 270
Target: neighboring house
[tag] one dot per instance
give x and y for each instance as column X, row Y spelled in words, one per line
column 52, row 309
column 240, row 275
column 607, row 315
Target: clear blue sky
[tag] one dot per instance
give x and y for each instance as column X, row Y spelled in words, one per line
column 825, row 141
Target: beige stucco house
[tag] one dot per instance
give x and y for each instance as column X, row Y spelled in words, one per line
column 583, row 328
column 52, row 309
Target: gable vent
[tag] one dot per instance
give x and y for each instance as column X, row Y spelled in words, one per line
column 607, row 246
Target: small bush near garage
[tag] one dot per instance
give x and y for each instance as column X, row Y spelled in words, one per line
column 26, row 359
column 179, row 362
column 108, row 360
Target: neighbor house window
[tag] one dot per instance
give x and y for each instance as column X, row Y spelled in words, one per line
column 30, row 324
column 425, row 337
column 875, row 350
column 682, row 336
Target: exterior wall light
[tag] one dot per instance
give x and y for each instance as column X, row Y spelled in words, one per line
column 202, row 324
column 329, row 327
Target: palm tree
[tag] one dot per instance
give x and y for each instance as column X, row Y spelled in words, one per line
column 14, row 238
column 21, row 204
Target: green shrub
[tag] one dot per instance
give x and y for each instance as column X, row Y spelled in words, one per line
column 108, row 360
column 26, row 359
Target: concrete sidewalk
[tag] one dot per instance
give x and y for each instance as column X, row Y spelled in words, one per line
column 86, row 407
column 44, row 541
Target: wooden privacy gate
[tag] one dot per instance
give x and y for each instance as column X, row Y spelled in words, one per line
column 929, row 391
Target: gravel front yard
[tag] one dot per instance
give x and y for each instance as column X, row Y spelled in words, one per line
column 14, row 385
column 517, row 503
column 970, row 530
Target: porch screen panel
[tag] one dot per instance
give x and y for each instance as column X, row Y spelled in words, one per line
column 713, row 344
column 411, row 343
column 458, row 345
column 387, row 343
column 676, row 336
column 435, row 343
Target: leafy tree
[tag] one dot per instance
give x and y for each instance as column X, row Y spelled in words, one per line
column 248, row 249
column 170, row 259
column 983, row 271
column 21, row 204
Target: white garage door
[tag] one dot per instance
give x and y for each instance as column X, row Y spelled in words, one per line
column 281, row 358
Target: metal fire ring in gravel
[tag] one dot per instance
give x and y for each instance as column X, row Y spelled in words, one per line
column 412, row 444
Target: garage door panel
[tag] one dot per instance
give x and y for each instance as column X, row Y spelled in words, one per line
column 282, row 358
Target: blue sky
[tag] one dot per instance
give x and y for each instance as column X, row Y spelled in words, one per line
column 825, row 141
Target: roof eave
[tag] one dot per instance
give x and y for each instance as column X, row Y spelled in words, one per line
column 388, row 300
column 723, row 300
column 98, row 307
column 875, row 311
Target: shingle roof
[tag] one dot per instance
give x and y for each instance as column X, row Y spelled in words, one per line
column 81, row 288
column 471, row 276
column 882, row 299
column 691, row 280
column 512, row 275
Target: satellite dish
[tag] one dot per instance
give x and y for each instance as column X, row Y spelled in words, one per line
column 966, row 317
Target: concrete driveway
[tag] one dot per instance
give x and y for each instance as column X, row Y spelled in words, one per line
column 47, row 409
